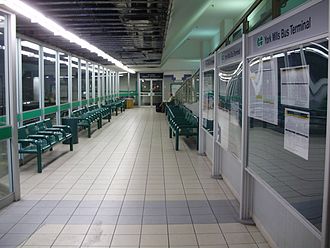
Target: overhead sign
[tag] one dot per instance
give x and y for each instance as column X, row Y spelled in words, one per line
column 301, row 26
column 230, row 54
column 208, row 63
column 151, row 75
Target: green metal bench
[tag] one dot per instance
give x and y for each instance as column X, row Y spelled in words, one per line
column 37, row 138
column 86, row 119
column 182, row 122
column 103, row 112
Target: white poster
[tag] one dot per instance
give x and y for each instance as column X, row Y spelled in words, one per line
column 295, row 86
column 296, row 132
column 263, row 90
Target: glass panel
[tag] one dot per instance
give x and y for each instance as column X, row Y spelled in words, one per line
column 289, row 153
column 229, row 110
column 96, row 81
column 30, row 75
column 145, row 86
column 83, row 80
column 208, row 101
column 2, row 68
column 4, row 145
column 157, row 91
column 64, row 90
column 49, row 77
column 4, row 176
column 90, row 78
column 64, row 113
column 52, row 118
column 74, row 64
column 290, row 4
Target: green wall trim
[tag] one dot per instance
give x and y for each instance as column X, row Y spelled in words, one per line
column 32, row 114
column 128, row 93
column 84, row 102
column 3, row 120
column 76, row 104
column 50, row 110
column 65, row 106
column 5, row 132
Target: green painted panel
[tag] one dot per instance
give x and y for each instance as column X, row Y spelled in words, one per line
column 50, row 110
column 75, row 104
column 65, row 106
column 5, row 132
column 32, row 114
column 91, row 100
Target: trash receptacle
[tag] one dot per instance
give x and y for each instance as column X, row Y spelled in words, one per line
column 73, row 123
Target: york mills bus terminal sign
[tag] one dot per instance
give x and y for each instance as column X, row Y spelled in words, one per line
column 293, row 29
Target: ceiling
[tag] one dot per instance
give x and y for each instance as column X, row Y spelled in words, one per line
column 132, row 31
column 146, row 35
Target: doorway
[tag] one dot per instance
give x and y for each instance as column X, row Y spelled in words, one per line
column 151, row 92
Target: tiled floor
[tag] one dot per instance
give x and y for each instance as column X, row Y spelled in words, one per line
column 126, row 187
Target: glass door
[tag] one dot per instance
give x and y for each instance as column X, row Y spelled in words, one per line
column 157, row 91
column 145, row 92
column 151, row 92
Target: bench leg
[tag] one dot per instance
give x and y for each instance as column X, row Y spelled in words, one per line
column 177, row 140
column 89, row 131
column 116, row 111
column 71, row 144
column 170, row 132
column 39, row 162
column 109, row 117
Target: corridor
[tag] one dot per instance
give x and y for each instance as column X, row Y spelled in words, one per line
column 125, row 187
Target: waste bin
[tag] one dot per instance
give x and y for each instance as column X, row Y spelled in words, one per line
column 129, row 103
column 73, row 123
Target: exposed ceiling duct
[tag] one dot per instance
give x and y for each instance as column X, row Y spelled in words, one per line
column 131, row 31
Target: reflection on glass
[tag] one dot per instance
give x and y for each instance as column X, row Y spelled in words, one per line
column 297, row 179
column 145, row 86
column 52, row 118
column 83, row 80
column 30, row 75
column 157, row 91
column 96, row 75
column 49, row 77
column 208, row 101
column 229, row 110
column 74, row 64
column 64, row 113
column 64, row 90
column 90, row 78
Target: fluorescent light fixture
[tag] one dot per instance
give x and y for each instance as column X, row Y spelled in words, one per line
column 37, row 17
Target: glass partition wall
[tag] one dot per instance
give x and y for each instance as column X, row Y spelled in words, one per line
column 66, row 83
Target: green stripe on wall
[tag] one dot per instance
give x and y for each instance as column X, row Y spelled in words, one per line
column 5, row 132
column 65, row 106
column 50, row 110
column 84, row 102
column 32, row 114
column 3, row 120
column 75, row 104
